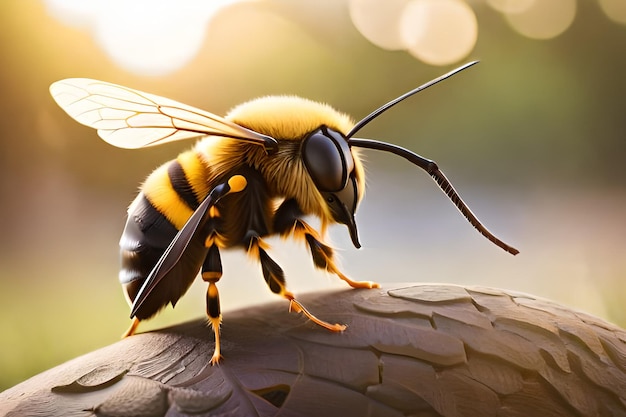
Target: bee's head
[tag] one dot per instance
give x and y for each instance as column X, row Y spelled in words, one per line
column 336, row 173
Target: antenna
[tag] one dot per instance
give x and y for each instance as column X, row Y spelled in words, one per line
column 392, row 103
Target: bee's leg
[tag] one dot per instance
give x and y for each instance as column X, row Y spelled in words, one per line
column 212, row 266
column 211, row 273
column 287, row 220
column 132, row 329
column 275, row 279
column 322, row 255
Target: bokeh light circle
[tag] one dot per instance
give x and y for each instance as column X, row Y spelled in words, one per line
column 149, row 48
column 378, row 21
column 439, row 32
column 544, row 19
column 614, row 9
column 147, row 37
column 510, row 6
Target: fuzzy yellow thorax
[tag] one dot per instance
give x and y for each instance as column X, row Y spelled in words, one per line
column 288, row 117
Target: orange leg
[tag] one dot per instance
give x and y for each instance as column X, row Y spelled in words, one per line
column 323, row 254
column 213, row 302
column 275, row 279
column 287, row 222
column 211, row 273
column 132, row 329
column 297, row 307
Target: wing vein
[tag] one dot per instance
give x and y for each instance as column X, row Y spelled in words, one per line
column 129, row 118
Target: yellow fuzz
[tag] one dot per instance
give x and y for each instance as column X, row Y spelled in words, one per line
column 215, row 239
column 195, row 172
column 289, row 120
column 159, row 191
column 288, row 117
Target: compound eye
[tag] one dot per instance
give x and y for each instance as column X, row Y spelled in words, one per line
column 328, row 159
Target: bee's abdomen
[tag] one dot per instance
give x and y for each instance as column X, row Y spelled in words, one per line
column 146, row 236
column 168, row 198
column 176, row 188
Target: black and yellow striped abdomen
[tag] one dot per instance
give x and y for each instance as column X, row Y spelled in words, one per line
column 176, row 188
column 166, row 201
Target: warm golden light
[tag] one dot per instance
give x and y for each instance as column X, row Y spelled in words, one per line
column 614, row 9
column 439, row 32
column 544, row 19
column 533, row 138
column 146, row 37
column 510, row 6
column 378, row 21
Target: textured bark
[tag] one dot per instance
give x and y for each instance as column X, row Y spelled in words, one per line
column 412, row 349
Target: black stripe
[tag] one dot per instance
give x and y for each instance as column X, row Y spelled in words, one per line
column 146, row 235
column 181, row 184
column 156, row 230
column 213, row 306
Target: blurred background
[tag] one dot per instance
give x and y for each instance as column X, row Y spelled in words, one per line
column 534, row 139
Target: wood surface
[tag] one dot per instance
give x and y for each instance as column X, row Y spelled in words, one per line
column 409, row 350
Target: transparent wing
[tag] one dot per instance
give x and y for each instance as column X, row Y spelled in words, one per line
column 128, row 118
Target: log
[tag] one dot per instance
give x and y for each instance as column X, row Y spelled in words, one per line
column 409, row 349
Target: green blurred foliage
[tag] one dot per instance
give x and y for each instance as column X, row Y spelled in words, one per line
column 534, row 137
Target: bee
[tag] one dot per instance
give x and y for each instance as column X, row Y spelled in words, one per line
column 256, row 172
